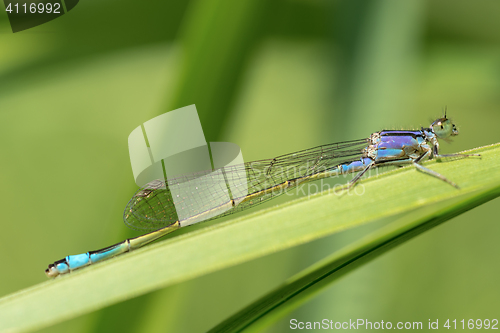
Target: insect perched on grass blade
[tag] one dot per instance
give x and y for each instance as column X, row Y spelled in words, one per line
column 152, row 207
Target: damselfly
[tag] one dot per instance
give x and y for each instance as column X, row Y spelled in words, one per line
column 152, row 207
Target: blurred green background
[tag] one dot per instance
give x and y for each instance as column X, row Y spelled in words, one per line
column 272, row 77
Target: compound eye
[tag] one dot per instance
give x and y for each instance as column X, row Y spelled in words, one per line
column 443, row 128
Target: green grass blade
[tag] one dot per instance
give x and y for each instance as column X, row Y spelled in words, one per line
column 206, row 250
column 314, row 279
column 214, row 57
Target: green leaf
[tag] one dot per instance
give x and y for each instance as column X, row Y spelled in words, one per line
column 308, row 283
column 226, row 244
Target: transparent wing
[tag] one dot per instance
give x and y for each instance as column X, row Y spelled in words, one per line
column 215, row 193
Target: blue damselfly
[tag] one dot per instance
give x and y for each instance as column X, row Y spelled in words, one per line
column 152, row 207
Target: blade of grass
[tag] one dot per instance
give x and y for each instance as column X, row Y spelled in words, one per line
column 311, row 281
column 213, row 60
column 215, row 57
column 210, row 249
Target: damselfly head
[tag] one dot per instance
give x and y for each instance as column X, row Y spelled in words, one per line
column 444, row 128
